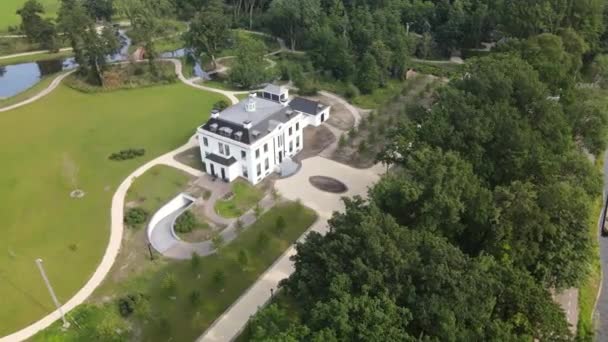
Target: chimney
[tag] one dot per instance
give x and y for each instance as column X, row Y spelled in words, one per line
column 215, row 114
column 247, row 124
column 250, row 106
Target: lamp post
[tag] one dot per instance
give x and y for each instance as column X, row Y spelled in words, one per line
column 66, row 324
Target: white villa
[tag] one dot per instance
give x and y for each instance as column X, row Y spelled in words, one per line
column 252, row 138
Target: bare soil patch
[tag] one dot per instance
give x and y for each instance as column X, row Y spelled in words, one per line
column 191, row 157
column 328, row 184
column 339, row 116
column 316, row 139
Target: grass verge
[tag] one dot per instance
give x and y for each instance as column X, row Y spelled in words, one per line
column 245, row 196
column 182, row 299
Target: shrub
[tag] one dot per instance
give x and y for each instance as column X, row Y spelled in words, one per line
column 262, row 240
column 257, row 211
column 169, row 283
column 239, row 224
column 217, row 241
column 352, row 133
column 351, row 91
column 279, row 225
column 127, row 304
column 135, row 216
column 219, row 278
column 195, row 297
column 342, row 141
column 127, row 154
column 362, row 146
column 185, row 223
column 221, row 105
column 243, row 258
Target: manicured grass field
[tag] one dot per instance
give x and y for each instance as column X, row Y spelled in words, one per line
column 42, row 145
column 172, row 314
column 156, row 187
column 245, row 197
column 8, row 11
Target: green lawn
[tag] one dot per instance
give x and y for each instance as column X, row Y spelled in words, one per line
column 8, row 9
column 245, row 196
column 39, row 145
column 171, row 314
column 156, row 187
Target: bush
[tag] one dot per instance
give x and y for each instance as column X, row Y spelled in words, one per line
column 195, row 297
column 221, row 105
column 127, row 304
column 185, row 223
column 352, row 133
column 131, row 153
column 342, row 141
column 362, row 146
column 280, row 224
column 135, row 216
column 351, row 91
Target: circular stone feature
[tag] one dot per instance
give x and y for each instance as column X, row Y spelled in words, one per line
column 77, row 193
column 328, row 184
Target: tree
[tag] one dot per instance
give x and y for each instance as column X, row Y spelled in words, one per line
column 249, row 68
column 369, row 74
column 90, row 48
column 100, row 9
column 37, row 29
column 292, row 18
column 588, row 117
column 369, row 266
column 599, row 70
column 209, row 30
column 148, row 20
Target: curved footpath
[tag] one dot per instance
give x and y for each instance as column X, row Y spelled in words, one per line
column 41, row 94
column 32, row 53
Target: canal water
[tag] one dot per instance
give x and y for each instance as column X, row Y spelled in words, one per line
column 17, row 78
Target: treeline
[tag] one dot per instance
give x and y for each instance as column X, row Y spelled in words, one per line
column 487, row 207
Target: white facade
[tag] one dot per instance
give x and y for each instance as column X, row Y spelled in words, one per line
column 252, row 138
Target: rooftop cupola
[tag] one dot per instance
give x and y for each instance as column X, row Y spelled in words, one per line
column 250, row 105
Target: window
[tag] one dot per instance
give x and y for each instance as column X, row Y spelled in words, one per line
column 290, row 130
column 205, row 142
column 221, row 147
column 243, row 154
column 297, row 126
column 245, row 173
column 227, row 150
column 265, row 147
column 297, row 142
column 266, row 164
column 290, row 146
column 280, row 140
column 257, row 153
column 259, row 169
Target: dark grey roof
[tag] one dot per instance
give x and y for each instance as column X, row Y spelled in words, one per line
column 306, row 106
column 221, row 160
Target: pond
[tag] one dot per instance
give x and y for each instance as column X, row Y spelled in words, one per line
column 16, row 78
column 184, row 52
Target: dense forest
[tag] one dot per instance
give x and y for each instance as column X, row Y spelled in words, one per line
column 487, row 204
column 486, row 207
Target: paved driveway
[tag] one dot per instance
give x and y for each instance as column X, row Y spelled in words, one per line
column 324, row 203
